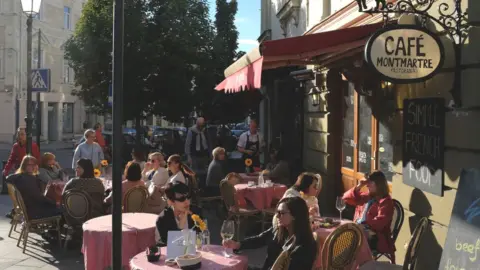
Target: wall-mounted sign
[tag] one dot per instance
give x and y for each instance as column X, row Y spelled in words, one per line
column 405, row 54
column 423, row 144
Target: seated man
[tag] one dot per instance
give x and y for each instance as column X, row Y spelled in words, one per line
column 177, row 216
column 374, row 211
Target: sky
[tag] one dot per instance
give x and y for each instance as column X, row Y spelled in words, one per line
column 247, row 22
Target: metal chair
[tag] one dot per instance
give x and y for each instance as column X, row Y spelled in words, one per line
column 34, row 225
column 240, row 213
column 135, row 200
column 17, row 215
column 395, row 227
column 341, row 247
column 77, row 210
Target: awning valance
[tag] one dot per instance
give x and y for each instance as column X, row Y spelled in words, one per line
column 245, row 73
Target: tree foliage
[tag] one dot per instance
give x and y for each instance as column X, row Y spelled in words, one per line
column 173, row 55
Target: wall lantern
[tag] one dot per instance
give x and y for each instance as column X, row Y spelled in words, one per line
column 315, row 94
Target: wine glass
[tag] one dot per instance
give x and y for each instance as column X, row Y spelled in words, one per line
column 227, row 232
column 340, row 205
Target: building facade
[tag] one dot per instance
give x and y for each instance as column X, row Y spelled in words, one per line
column 62, row 114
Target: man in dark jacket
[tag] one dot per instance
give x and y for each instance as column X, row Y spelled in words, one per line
column 197, row 147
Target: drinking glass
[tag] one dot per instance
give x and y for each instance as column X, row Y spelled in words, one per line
column 227, row 231
column 340, row 205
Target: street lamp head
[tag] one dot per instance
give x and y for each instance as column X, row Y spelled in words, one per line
column 315, row 94
column 31, row 7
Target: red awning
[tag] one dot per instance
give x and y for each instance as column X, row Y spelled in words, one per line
column 294, row 51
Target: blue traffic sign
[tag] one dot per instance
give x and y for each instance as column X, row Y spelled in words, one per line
column 40, row 80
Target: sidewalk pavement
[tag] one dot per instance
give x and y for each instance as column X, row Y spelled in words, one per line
column 39, row 254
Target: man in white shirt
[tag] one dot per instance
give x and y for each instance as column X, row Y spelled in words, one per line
column 251, row 144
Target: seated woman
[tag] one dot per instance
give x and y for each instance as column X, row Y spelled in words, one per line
column 292, row 234
column 27, row 183
column 86, row 181
column 308, row 187
column 374, row 210
column 215, row 172
column 278, row 170
column 154, row 171
column 49, row 169
column 227, row 187
column 177, row 216
column 134, row 179
column 175, row 167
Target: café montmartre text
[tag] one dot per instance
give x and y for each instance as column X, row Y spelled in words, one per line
column 418, row 143
column 406, row 53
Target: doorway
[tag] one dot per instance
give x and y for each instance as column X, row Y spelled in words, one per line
column 52, row 122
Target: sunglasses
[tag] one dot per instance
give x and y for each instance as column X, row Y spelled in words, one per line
column 281, row 213
column 183, row 198
column 152, row 160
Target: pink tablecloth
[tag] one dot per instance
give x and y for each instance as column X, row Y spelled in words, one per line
column 364, row 254
column 211, row 260
column 260, row 197
column 138, row 233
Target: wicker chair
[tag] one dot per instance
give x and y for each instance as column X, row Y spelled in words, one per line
column 241, row 213
column 34, row 225
column 75, row 216
column 410, row 257
column 282, row 262
column 396, row 226
column 341, row 247
column 135, row 200
column 17, row 214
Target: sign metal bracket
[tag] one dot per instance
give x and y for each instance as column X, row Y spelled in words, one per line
column 450, row 17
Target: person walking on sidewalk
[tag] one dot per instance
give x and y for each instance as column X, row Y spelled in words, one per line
column 19, row 150
column 89, row 149
column 197, row 147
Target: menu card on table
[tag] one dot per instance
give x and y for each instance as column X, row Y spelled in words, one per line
column 175, row 245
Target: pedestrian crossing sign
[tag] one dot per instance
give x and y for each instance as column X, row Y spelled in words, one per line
column 40, row 80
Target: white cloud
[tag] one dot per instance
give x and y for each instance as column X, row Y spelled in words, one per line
column 248, row 41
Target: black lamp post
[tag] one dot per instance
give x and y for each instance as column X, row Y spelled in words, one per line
column 31, row 8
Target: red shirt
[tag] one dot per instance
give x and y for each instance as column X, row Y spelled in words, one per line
column 379, row 217
column 99, row 138
column 17, row 154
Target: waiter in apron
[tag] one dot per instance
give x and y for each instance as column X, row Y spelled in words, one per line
column 251, row 144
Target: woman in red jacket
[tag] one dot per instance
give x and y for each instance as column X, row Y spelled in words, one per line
column 19, row 150
column 374, row 210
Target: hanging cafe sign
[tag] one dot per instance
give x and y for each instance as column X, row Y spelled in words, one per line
column 405, row 54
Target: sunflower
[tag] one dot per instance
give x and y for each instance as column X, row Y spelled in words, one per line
column 199, row 222
column 96, row 173
column 248, row 162
column 104, row 163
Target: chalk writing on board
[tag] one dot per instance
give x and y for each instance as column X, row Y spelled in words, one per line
column 423, row 143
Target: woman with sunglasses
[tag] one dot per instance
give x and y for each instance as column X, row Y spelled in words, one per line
column 177, row 216
column 154, row 171
column 292, row 234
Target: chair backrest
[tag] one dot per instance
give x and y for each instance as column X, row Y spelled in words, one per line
column 414, row 244
column 135, row 199
column 397, row 220
column 77, row 205
column 20, row 203
column 227, row 196
column 341, row 247
column 11, row 193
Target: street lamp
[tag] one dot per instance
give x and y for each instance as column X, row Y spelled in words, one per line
column 31, row 8
column 315, row 94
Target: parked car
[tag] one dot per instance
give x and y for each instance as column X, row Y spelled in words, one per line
column 238, row 129
column 169, row 140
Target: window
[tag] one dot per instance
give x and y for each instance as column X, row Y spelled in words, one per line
column 35, row 58
column 67, row 117
column 66, row 72
column 367, row 131
column 67, row 21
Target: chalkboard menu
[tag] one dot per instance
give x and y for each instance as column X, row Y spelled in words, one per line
column 423, row 143
column 462, row 247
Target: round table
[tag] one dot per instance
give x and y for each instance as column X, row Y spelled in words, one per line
column 138, row 233
column 364, row 254
column 260, row 197
column 212, row 259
